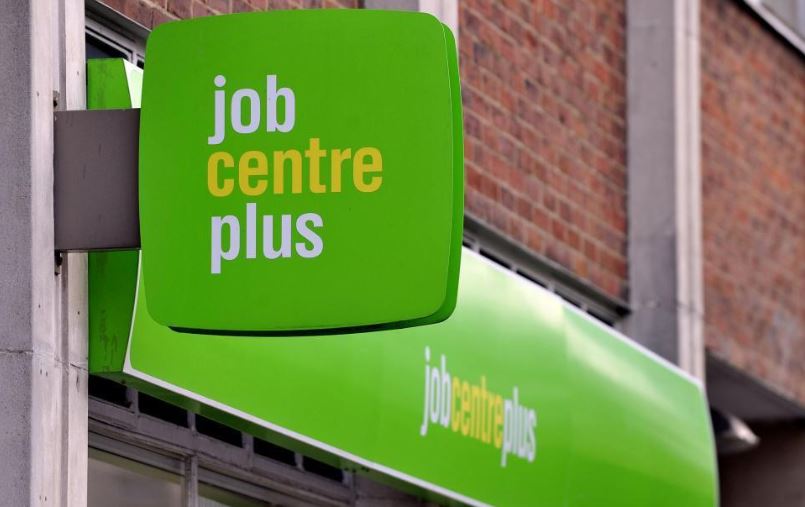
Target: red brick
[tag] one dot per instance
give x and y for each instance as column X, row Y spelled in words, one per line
column 118, row 5
column 140, row 11
column 182, row 9
column 248, row 5
column 220, row 6
column 200, row 9
column 753, row 190
column 162, row 17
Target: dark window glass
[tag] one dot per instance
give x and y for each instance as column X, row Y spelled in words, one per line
column 273, row 451
column 96, row 48
column 108, row 390
column 315, row 466
column 218, row 431
column 162, row 410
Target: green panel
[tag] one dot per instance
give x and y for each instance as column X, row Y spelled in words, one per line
column 112, row 281
column 266, row 120
column 111, row 84
column 599, row 421
column 612, row 425
column 363, row 393
column 458, row 179
column 638, row 428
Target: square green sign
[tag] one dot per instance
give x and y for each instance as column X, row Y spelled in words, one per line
column 301, row 170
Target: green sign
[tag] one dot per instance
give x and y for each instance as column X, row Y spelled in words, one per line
column 516, row 399
column 301, row 170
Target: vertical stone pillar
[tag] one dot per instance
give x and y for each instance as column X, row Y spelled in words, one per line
column 43, row 427
column 664, row 174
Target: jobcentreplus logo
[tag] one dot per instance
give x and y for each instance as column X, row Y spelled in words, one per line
column 320, row 168
column 471, row 410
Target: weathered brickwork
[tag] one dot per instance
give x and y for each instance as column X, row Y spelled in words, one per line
column 753, row 169
column 545, row 134
column 151, row 13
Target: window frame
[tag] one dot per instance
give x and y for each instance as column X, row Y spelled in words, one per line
column 132, row 48
column 792, row 35
column 197, row 458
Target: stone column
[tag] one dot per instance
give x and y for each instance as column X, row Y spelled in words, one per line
column 664, row 174
column 43, row 377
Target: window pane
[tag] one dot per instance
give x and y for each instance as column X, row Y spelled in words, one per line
column 209, row 496
column 117, row 481
column 96, row 48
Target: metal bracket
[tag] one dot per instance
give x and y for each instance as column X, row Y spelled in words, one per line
column 95, row 181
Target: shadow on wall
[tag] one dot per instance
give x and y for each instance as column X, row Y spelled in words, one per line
column 771, row 474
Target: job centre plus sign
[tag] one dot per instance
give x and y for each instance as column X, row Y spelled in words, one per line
column 257, row 172
column 301, row 171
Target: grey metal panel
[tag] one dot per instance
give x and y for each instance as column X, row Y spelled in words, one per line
column 123, row 25
column 95, row 181
column 394, row 5
column 741, row 394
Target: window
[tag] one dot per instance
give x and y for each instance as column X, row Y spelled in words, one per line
column 103, row 42
column 135, row 471
column 113, row 480
column 210, row 496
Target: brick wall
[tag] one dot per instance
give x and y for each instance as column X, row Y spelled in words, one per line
column 545, row 134
column 151, row 13
column 753, row 169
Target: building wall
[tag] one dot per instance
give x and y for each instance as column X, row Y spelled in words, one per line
column 544, row 97
column 544, row 90
column 753, row 172
column 151, row 13
column 545, row 135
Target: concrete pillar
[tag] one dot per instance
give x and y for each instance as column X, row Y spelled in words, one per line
column 665, row 247
column 43, row 423
column 445, row 10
